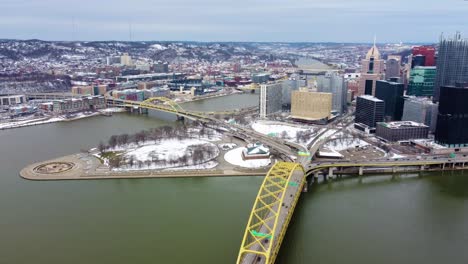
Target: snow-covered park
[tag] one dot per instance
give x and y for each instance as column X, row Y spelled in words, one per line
column 171, row 153
column 341, row 144
column 293, row 133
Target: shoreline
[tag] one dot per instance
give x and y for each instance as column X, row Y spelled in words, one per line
column 52, row 119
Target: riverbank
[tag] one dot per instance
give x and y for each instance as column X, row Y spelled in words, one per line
column 54, row 119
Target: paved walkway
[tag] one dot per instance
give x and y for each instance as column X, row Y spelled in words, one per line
column 86, row 167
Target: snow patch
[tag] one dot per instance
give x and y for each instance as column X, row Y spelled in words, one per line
column 234, row 157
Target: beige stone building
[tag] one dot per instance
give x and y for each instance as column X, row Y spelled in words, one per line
column 372, row 71
column 311, row 105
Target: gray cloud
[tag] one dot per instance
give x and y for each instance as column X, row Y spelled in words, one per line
column 240, row 20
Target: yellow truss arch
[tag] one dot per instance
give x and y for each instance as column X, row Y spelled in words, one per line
column 269, row 218
column 175, row 106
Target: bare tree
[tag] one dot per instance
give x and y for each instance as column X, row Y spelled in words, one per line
column 113, row 141
column 101, row 147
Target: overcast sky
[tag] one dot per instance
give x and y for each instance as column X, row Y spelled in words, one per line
column 234, row 20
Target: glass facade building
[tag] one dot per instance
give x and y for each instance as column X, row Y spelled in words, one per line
column 392, row 94
column 452, row 63
column 452, row 120
column 421, row 82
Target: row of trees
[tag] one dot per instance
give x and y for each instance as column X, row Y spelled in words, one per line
column 196, row 154
column 158, row 134
column 304, row 135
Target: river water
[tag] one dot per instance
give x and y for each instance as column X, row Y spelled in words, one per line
column 202, row 220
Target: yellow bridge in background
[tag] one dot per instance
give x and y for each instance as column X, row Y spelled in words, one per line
column 167, row 105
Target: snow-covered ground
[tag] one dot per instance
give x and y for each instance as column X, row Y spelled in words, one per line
column 31, row 122
column 289, row 131
column 234, row 157
column 276, row 128
column 168, row 151
column 45, row 120
column 397, row 156
column 204, row 166
column 345, row 143
column 112, row 110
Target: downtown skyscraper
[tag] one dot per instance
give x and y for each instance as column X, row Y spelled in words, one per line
column 452, row 63
column 372, row 70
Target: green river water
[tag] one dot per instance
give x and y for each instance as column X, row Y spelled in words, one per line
column 421, row 219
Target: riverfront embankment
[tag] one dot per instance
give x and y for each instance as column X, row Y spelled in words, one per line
column 83, row 166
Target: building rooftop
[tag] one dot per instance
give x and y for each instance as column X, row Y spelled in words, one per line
column 370, row 97
column 401, row 124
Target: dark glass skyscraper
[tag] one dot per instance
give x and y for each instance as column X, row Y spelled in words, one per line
column 369, row 110
column 392, row 94
column 452, row 120
column 452, row 63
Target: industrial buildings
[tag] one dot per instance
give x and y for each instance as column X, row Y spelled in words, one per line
column 89, row 90
column 333, row 83
column 79, row 104
column 421, row 110
column 271, row 97
column 372, row 70
column 421, row 81
column 369, row 111
column 126, row 60
column 14, row 99
column 392, row 94
column 452, row 120
column 452, row 63
column 401, row 130
column 311, row 106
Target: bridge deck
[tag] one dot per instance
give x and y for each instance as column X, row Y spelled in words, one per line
column 271, row 213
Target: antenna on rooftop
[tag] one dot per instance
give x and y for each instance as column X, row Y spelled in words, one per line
column 375, row 39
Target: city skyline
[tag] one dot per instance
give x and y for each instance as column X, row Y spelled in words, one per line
column 243, row 21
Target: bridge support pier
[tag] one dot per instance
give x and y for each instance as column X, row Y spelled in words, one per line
column 443, row 166
column 394, row 169
column 330, row 173
column 143, row 111
column 316, row 176
column 422, row 167
column 361, row 171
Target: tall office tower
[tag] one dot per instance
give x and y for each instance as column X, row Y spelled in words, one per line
column 270, row 99
column 424, row 54
column 372, row 70
column 392, row 94
column 311, row 106
column 421, row 81
column 333, row 83
column 452, row 120
column 421, row 110
column 452, row 63
column 369, row 111
column 393, row 67
column 288, row 86
column 126, row 60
